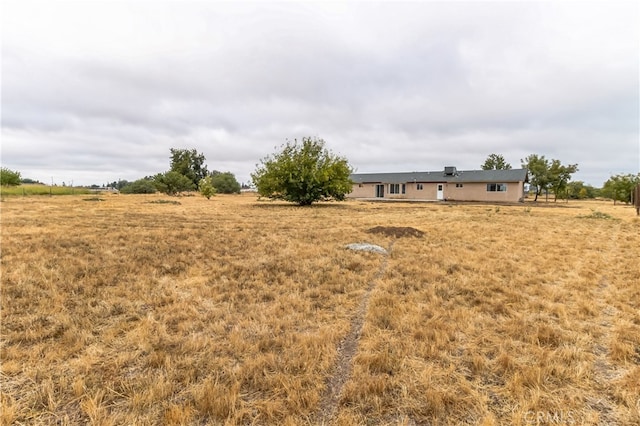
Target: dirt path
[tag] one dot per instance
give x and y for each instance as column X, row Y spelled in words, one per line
column 604, row 371
column 346, row 351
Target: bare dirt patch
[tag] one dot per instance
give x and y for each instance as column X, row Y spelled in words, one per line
column 397, row 231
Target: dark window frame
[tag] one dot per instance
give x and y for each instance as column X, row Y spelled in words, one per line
column 496, row 187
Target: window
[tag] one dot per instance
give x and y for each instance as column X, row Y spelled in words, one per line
column 404, row 188
column 394, row 188
column 419, row 186
column 459, row 185
column 496, row 187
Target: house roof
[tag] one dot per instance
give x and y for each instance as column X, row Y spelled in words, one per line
column 514, row 175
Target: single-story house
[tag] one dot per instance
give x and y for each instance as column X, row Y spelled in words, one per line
column 448, row 185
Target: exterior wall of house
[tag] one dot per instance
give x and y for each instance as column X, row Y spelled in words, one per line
column 478, row 192
column 368, row 190
column 428, row 191
column 466, row 192
column 363, row 190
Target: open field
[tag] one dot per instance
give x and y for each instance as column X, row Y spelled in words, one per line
column 233, row 311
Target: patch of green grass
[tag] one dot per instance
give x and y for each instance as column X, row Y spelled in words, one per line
column 35, row 189
column 595, row 214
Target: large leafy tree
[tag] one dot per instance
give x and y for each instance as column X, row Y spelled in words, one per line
column 225, row 183
column 303, row 173
column 620, row 187
column 9, row 177
column 189, row 163
column 495, row 162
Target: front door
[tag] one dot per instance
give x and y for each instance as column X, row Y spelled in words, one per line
column 380, row 191
column 440, row 193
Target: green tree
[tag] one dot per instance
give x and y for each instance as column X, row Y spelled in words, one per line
column 189, row 163
column 9, row 177
column 140, row 186
column 225, row 183
column 172, row 183
column 206, row 187
column 495, row 162
column 538, row 167
column 559, row 177
column 620, row 187
column 578, row 190
column 303, row 173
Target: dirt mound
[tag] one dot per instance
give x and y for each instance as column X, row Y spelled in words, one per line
column 397, row 231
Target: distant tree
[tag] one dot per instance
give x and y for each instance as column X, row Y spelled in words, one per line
column 9, row 177
column 495, row 162
column 559, row 177
column 538, row 167
column 190, row 163
column 303, row 173
column 206, row 187
column 172, row 183
column 225, row 183
column 620, row 187
column 140, row 186
column 578, row 190
column 29, row 181
column 118, row 184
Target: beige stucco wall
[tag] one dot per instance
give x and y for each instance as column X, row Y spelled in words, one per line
column 428, row 191
column 468, row 192
column 368, row 190
column 364, row 190
column 478, row 192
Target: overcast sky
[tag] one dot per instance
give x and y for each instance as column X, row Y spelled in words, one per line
column 99, row 91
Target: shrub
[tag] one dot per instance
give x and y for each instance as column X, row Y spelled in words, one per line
column 206, row 187
column 172, row 183
column 140, row 186
column 225, row 183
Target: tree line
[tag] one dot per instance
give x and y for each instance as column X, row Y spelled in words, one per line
column 551, row 176
column 307, row 172
column 187, row 172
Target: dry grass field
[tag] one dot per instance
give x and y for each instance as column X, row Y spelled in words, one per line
column 133, row 311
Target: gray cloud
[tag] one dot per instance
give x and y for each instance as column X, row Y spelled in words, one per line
column 97, row 91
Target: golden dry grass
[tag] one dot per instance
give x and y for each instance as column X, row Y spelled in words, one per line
column 233, row 311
